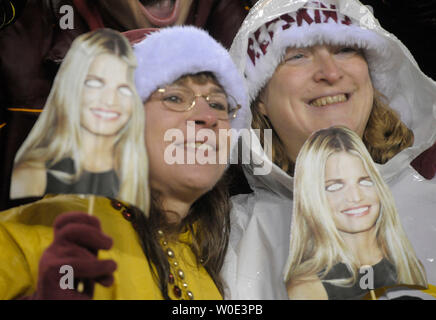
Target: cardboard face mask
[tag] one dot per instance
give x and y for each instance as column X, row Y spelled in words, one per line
column 87, row 139
column 349, row 231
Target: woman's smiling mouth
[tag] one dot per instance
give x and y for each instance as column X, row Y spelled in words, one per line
column 328, row 100
column 357, row 212
column 105, row 114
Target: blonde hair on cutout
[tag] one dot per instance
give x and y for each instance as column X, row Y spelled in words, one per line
column 316, row 245
column 57, row 133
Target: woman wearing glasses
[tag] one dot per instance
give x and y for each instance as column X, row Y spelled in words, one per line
column 189, row 85
column 190, row 94
column 175, row 250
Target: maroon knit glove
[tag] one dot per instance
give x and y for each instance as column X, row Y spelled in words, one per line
column 77, row 239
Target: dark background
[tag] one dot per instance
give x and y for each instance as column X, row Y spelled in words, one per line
column 414, row 23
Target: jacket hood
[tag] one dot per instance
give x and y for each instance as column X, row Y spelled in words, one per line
column 268, row 30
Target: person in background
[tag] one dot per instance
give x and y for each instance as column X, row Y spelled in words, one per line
column 35, row 45
column 312, row 65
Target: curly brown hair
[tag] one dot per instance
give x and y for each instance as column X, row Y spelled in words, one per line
column 385, row 134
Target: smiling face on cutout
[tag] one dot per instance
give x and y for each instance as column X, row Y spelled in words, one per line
column 351, row 194
column 315, row 88
column 107, row 96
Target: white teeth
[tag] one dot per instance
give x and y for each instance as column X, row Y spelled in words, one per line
column 107, row 115
column 356, row 211
column 191, row 145
column 199, row 146
column 163, row 4
column 205, row 147
column 329, row 100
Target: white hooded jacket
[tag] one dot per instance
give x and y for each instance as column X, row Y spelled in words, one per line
column 259, row 242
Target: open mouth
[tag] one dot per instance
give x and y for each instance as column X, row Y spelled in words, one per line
column 357, row 212
column 161, row 13
column 329, row 100
column 105, row 114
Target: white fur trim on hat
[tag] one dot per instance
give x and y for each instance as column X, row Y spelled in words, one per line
column 305, row 28
column 166, row 55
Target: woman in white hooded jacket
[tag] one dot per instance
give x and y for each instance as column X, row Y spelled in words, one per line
column 310, row 65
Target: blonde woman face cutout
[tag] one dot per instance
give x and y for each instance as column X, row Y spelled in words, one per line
column 107, row 96
column 351, row 194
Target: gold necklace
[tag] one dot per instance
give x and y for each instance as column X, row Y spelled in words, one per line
column 177, row 277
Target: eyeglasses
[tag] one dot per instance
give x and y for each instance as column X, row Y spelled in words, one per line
column 181, row 99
